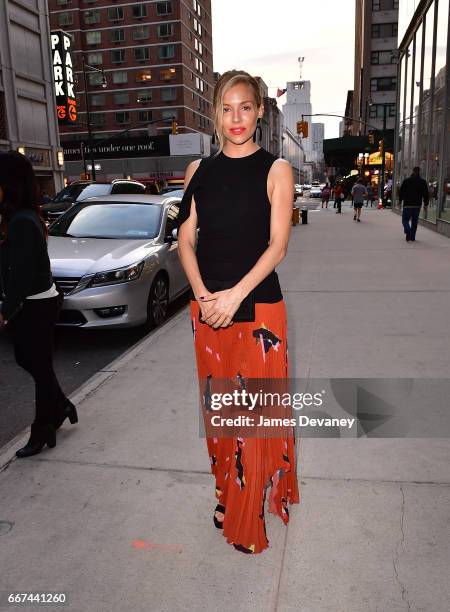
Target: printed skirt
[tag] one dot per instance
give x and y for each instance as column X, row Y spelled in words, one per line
column 244, row 468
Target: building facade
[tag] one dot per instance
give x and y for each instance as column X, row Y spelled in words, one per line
column 298, row 103
column 375, row 80
column 28, row 121
column 423, row 119
column 318, row 135
column 148, row 63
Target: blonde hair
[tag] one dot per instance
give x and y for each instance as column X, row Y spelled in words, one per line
column 226, row 81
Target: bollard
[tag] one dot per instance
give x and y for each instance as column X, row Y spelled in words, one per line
column 304, row 215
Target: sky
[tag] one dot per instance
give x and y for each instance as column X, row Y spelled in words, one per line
column 266, row 37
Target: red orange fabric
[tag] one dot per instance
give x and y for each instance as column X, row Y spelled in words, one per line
column 245, row 467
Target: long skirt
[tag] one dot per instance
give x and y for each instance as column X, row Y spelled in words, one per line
column 244, row 468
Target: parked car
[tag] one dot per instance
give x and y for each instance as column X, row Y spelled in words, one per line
column 298, row 191
column 116, row 260
column 81, row 190
column 315, row 192
column 307, row 186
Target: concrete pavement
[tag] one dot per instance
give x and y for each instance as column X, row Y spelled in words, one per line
column 119, row 515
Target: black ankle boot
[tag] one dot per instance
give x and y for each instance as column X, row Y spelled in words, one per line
column 39, row 437
column 65, row 409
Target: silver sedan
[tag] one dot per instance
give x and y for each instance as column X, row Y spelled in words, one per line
column 116, row 260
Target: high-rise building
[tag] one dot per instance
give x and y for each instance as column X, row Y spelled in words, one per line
column 318, row 134
column 298, row 103
column 375, row 65
column 147, row 61
column 28, row 122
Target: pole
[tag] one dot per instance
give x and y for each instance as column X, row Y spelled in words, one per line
column 383, row 154
column 88, row 118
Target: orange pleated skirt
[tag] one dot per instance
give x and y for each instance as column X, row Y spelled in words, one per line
column 244, row 468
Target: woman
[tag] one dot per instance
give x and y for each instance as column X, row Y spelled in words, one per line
column 243, row 206
column 31, row 301
column 326, row 192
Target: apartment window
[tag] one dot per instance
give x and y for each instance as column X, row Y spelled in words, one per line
column 384, row 30
column 144, row 96
column 166, row 52
column 117, row 56
column 377, row 111
column 115, row 13
column 139, row 10
column 168, row 94
column 117, row 35
column 165, row 29
column 120, row 77
column 200, row 48
column 91, row 17
column 196, row 44
column 141, row 54
column 384, row 5
column 97, row 99
column 95, row 59
column 122, row 97
column 383, row 84
column 65, row 19
column 145, row 116
column 197, row 83
column 163, row 8
column 122, row 117
column 95, row 78
column 167, row 74
column 382, row 57
column 93, row 38
column 140, row 33
column 201, row 85
column 143, row 76
column 98, row 119
column 63, row 2
column 89, row 1
column 195, row 25
column 169, row 113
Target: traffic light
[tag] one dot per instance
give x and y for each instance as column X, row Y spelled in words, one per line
column 381, row 146
column 371, row 138
column 302, row 128
column 174, row 127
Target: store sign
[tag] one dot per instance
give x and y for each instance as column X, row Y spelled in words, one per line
column 376, row 159
column 186, row 144
column 155, row 146
column 63, row 76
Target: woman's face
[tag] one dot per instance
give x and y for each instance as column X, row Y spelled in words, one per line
column 239, row 114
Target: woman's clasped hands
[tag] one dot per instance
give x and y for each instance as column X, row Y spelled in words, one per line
column 217, row 309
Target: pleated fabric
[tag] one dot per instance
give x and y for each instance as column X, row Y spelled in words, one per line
column 245, row 468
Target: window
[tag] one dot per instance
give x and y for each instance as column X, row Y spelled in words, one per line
column 167, row 74
column 382, row 57
column 141, row 54
column 143, row 76
column 97, row 99
column 384, row 5
column 93, row 38
column 95, row 78
column 120, row 77
column 117, row 35
column 91, row 17
column 197, row 83
column 383, row 84
column 200, row 48
column 165, row 29
column 122, row 117
column 196, row 24
column 169, row 113
column 144, row 96
column 139, row 10
column 144, row 116
column 98, row 119
column 166, row 52
column 377, row 111
column 65, row 19
column 384, row 30
column 117, row 56
column 63, row 2
column 163, row 8
column 115, row 13
column 140, row 33
column 95, row 59
column 168, row 94
column 122, row 97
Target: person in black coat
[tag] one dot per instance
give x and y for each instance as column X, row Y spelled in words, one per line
column 413, row 190
column 30, row 300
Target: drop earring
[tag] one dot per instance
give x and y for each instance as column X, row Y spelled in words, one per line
column 258, row 127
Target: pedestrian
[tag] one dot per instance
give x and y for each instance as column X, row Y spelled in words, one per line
column 338, row 197
column 358, row 194
column 369, row 196
column 326, row 195
column 239, row 321
column 413, row 190
column 31, row 301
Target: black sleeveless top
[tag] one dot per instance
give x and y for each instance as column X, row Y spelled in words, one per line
column 233, row 212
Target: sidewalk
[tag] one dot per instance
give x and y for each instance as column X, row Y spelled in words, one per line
column 119, row 515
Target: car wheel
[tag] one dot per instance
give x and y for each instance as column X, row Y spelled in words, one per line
column 158, row 301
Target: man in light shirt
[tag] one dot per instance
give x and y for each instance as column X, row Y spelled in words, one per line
column 359, row 192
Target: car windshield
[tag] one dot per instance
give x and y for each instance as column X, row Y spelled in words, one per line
column 109, row 220
column 71, row 191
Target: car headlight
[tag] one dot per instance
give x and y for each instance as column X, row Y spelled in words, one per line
column 121, row 275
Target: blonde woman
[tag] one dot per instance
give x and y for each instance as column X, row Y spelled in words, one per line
column 241, row 199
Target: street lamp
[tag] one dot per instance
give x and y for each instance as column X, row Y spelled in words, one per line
column 86, row 67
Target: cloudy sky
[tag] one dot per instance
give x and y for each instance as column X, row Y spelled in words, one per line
column 265, row 38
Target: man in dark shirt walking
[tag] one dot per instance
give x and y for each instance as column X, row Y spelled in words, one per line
column 413, row 190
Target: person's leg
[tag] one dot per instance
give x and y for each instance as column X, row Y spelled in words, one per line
column 358, row 212
column 414, row 221
column 406, row 216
